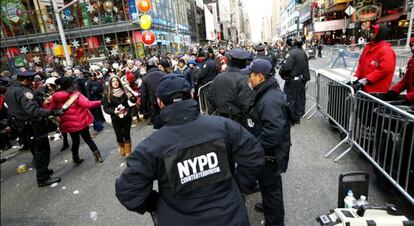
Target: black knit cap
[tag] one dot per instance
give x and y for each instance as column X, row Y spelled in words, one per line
column 171, row 85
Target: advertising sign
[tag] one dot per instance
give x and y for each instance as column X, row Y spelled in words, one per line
column 331, row 25
column 368, row 10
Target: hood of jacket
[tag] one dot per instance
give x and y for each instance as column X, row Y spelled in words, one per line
column 179, row 113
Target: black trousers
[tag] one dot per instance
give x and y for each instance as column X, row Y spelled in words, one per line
column 272, row 195
column 86, row 136
column 40, row 149
column 122, row 128
column 296, row 96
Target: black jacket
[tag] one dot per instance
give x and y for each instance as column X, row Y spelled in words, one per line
column 150, row 83
column 269, row 121
column 271, row 60
column 230, row 93
column 208, row 193
column 110, row 106
column 94, row 89
column 296, row 64
column 22, row 103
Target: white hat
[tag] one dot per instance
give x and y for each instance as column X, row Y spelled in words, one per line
column 51, row 80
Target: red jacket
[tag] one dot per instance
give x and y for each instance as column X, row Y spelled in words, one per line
column 377, row 64
column 407, row 82
column 78, row 116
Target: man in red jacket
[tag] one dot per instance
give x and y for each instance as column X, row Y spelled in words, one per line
column 377, row 62
column 406, row 83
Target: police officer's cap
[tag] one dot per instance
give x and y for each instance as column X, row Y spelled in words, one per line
column 258, row 66
column 26, row 74
column 239, row 54
column 291, row 41
column 260, row 48
column 173, row 84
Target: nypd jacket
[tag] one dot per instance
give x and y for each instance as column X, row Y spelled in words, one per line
column 230, row 93
column 269, row 121
column 296, row 64
column 193, row 158
column 22, row 104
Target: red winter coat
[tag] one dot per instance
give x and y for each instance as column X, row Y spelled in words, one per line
column 407, row 82
column 377, row 64
column 78, row 116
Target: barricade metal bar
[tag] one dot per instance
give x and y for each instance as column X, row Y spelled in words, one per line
column 203, row 98
column 311, row 91
column 335, row 100
column 383, row 133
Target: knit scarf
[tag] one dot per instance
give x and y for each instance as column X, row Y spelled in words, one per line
column 117, row 92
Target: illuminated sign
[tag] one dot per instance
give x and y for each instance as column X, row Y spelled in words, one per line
column 368, row 10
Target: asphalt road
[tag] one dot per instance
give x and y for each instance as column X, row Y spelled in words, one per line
column 310, row 184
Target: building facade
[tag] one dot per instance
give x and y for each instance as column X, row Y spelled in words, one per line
column 290, row 25
column 94, row 29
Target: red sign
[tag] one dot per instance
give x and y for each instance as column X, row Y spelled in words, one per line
column 148, row 37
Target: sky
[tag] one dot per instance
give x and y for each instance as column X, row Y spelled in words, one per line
column 257, row 9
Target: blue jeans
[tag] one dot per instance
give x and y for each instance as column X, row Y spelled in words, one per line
column 98, row 126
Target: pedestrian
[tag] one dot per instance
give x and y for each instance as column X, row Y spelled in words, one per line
column 203, row 165
column 116, row 104
column 269, row 121
column 229, row 93
column 406, row 83
column 181, row 68
column 319, row 47
column 77, row 118
column 295, row 72
column 27, row 117
column 149, row 89
column 341, row 54
column 377, row 62
column 94, row 89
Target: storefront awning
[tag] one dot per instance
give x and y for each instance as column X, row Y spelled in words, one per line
column 389, row 18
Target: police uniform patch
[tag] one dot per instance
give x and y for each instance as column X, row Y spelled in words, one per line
column 197, row 166
column 28, row 95
column 250, row 123
column 204, row 66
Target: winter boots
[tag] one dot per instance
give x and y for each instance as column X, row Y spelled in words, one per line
column 98, row 157
column 128, row 147
column 122, row 149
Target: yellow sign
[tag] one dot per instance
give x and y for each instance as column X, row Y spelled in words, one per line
column 59, row 52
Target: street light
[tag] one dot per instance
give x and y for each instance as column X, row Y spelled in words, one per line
column 60, row 28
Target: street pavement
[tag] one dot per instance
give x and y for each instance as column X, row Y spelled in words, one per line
column 310, row 184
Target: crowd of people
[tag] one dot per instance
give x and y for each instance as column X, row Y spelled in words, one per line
column 203, row 164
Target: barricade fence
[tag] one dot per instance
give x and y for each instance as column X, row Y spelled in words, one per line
column 381, row 131
column 203, row 102
column 311, row 92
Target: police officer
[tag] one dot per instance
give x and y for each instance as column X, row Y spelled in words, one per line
column 149, row 88
column 29, row 118
column 194, row 159
column 269, row 121
column 261, row 54
column 295, row 72
column 230, row 94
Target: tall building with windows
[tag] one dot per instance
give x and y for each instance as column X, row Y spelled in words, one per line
column 93, row 29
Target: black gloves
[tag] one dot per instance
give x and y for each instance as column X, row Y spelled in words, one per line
column 391, row 95
column 58, row 112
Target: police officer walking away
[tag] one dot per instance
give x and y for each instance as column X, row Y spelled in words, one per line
column 30, row 119
column 295, row 72
column 230, row 94
column 269, row 121
column 194, row 159
column 261, row 54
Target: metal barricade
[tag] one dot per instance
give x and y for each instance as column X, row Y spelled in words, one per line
column 384, row 134
column 203, row 98
column 311, row 93
column 335, row 100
